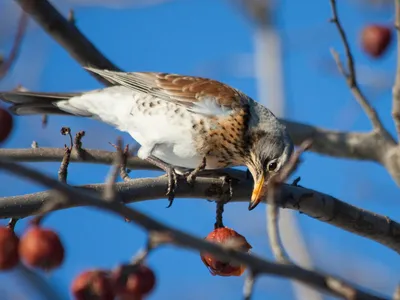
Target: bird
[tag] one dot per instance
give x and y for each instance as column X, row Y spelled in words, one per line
column 181, row 122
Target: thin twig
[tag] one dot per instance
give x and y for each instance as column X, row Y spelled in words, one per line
column 11, row 224
column 78, row 144
column 396, row 86
column 71, row 16
column 248, row 286
column 123, row 170
column 45, row 120
column 63, row 170
column 12, row 57
column 261, row 266
column 34, row 145
column 350, row 74
column 109, row 191
column 273, row 189
column 142, row 254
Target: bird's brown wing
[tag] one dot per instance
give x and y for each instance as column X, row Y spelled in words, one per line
column 198, row 94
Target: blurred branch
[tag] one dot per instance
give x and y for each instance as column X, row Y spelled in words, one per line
column 396, row 87
column 317, row 205
column 351, row 76
column 273, row 191
column 258, row 265
column 6, row 64
column 67, row 35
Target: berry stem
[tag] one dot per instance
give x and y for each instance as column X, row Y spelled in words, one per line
column 219, row 213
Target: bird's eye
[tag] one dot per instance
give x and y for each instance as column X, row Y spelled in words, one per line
column 272, row 166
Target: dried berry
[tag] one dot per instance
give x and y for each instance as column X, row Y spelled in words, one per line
column 6, row 124
column 41, row 248
column 228, row 237
column 134, row 281
column 93, row 285
column 375, row 39
column 9, row 241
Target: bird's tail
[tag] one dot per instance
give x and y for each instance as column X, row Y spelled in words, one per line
column 33, row 103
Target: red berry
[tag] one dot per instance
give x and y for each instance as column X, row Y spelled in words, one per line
column 375, row 39
column 132, row 282
column 6, row 124
column 41, row 248
column 93, row 285
column 227, row 237
column 9, row 256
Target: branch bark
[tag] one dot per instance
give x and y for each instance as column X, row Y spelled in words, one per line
column 327, row 283
column 317, row 205
column 85, row 156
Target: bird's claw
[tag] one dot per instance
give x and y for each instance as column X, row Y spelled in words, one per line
column 172, row 185
column 190, row 178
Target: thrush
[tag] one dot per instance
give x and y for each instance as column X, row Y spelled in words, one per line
column 183, row 122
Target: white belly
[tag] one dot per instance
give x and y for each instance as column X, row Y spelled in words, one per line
column 165, row 128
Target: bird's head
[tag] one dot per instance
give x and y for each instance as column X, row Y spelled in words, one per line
column 269, row 152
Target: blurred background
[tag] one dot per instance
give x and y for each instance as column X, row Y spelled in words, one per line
column 276, row 53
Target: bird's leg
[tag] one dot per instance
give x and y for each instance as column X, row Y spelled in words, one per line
column 191, row 176
column 171, row 174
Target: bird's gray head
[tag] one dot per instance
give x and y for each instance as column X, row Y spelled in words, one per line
column 271, row 148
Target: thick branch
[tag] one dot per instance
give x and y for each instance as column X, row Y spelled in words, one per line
column 67, row 35
column 317, row 205
column 258, row 265
column 354, row 145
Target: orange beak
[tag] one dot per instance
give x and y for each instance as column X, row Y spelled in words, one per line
column 258, row 192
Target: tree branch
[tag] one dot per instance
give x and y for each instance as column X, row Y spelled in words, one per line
column 85, row 156
column 256, row 264
column 67, row 35
column 317, row 205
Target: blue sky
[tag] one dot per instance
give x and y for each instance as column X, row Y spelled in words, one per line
column 207, row 38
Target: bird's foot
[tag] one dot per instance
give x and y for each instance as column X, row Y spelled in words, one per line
column 227, row 180
column 191, row 176
column 171, row 175
column 172, row 185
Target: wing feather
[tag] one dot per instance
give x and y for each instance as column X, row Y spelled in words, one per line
column 197, row 94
